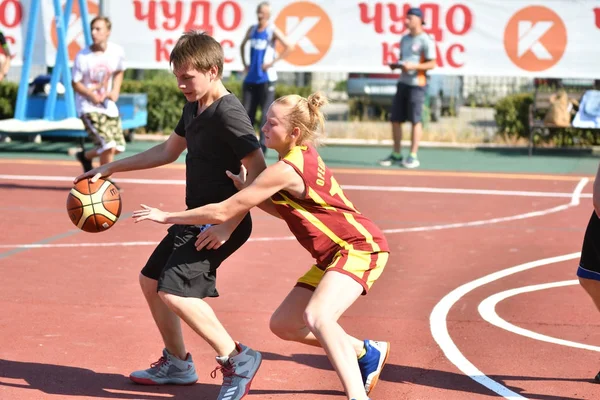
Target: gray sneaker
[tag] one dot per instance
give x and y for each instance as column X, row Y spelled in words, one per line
column 390, row 160
column 411, row 162
column 238, row 373
column 168, row 370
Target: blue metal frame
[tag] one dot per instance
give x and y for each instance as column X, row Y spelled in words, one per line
column 61, row 71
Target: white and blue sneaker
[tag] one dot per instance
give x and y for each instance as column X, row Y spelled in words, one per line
column 372, row 363
column 411, row 162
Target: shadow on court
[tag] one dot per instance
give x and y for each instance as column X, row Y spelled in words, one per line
column 431, row 378
column 80, row 382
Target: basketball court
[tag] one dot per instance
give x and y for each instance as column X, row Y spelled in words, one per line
column 479, row 299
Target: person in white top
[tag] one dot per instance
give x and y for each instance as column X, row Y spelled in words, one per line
column 97, row 76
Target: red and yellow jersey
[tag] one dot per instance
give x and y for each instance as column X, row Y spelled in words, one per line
column 324, row 221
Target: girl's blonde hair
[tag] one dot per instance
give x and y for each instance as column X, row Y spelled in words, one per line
column 306, row 114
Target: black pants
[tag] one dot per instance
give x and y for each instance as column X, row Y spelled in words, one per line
column 255, row 94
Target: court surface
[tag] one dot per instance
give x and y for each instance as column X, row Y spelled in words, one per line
column 479, row 299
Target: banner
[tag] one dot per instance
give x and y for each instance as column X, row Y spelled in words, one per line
column 75, row 37
column 551, row 38
column 12, row 26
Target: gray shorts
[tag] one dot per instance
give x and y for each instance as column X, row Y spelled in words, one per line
column 408, row 103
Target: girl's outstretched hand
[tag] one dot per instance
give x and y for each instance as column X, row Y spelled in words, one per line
column 150, row 214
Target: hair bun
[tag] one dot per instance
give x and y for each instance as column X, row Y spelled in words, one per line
column 317, row 100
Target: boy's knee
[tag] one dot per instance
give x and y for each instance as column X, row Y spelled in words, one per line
column 174, row 302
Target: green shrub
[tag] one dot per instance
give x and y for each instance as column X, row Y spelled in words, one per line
column 165, row 100
column 8, row 99
column 512, row 115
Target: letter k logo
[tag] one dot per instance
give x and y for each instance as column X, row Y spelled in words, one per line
column 530, row 35
column 535, row 38
column 309, row 28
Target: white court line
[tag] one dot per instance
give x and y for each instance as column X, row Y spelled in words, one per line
column 575, row 196
column 487, row 310
column 439, row 324
column 408, row 189
column 438, row 320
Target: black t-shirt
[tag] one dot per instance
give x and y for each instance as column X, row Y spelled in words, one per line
column 217, row 140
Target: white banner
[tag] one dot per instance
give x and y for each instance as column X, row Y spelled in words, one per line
column 12, row 26
column 75, row 36
column 550, row 38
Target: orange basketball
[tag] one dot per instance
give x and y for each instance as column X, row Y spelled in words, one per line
column 94, row 206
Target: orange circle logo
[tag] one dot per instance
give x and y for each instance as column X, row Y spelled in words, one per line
column 309, row 28
column 535, row 38
column 75, row 37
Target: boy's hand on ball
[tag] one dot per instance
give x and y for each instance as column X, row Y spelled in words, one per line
column 150, row 214
column 102, row 171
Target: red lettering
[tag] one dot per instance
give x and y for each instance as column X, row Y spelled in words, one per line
column 450, row 56
column 227, row 45
column 236, row 15
column 397, row 18
column 174, row 15
column 431, row 13
column 377, row 17
column 16, row 13
column 597, row 14
column 467, row 19
column 390, row 53
column 150, row 15
column 163, row 49
column 204, row 24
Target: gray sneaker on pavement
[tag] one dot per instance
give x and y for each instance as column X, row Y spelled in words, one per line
column 238, row 373
column 168, row 370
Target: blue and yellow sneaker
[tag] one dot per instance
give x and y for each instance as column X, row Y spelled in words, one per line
column 372, row 362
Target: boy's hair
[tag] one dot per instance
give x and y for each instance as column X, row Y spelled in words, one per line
column 306, row 114
column 198, row 50
column 101, row 18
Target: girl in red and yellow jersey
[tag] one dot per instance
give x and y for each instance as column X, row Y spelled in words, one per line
column 350, row 251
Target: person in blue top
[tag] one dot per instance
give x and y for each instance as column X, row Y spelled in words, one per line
column 259, row 84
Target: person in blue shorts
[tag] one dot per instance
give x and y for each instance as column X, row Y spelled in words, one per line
column 589, row 262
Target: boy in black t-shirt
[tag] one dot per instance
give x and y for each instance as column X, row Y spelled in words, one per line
column 216, row 130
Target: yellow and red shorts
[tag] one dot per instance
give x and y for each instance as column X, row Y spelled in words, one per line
column 363, row 266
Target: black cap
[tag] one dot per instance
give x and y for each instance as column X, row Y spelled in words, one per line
column 416, row 11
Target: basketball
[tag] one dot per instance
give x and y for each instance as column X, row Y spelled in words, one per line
column 94, row 206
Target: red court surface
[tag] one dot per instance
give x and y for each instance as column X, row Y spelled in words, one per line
column 479, row 299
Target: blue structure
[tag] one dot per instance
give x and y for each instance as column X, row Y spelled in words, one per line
column 61, row 71
column 52, row 107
